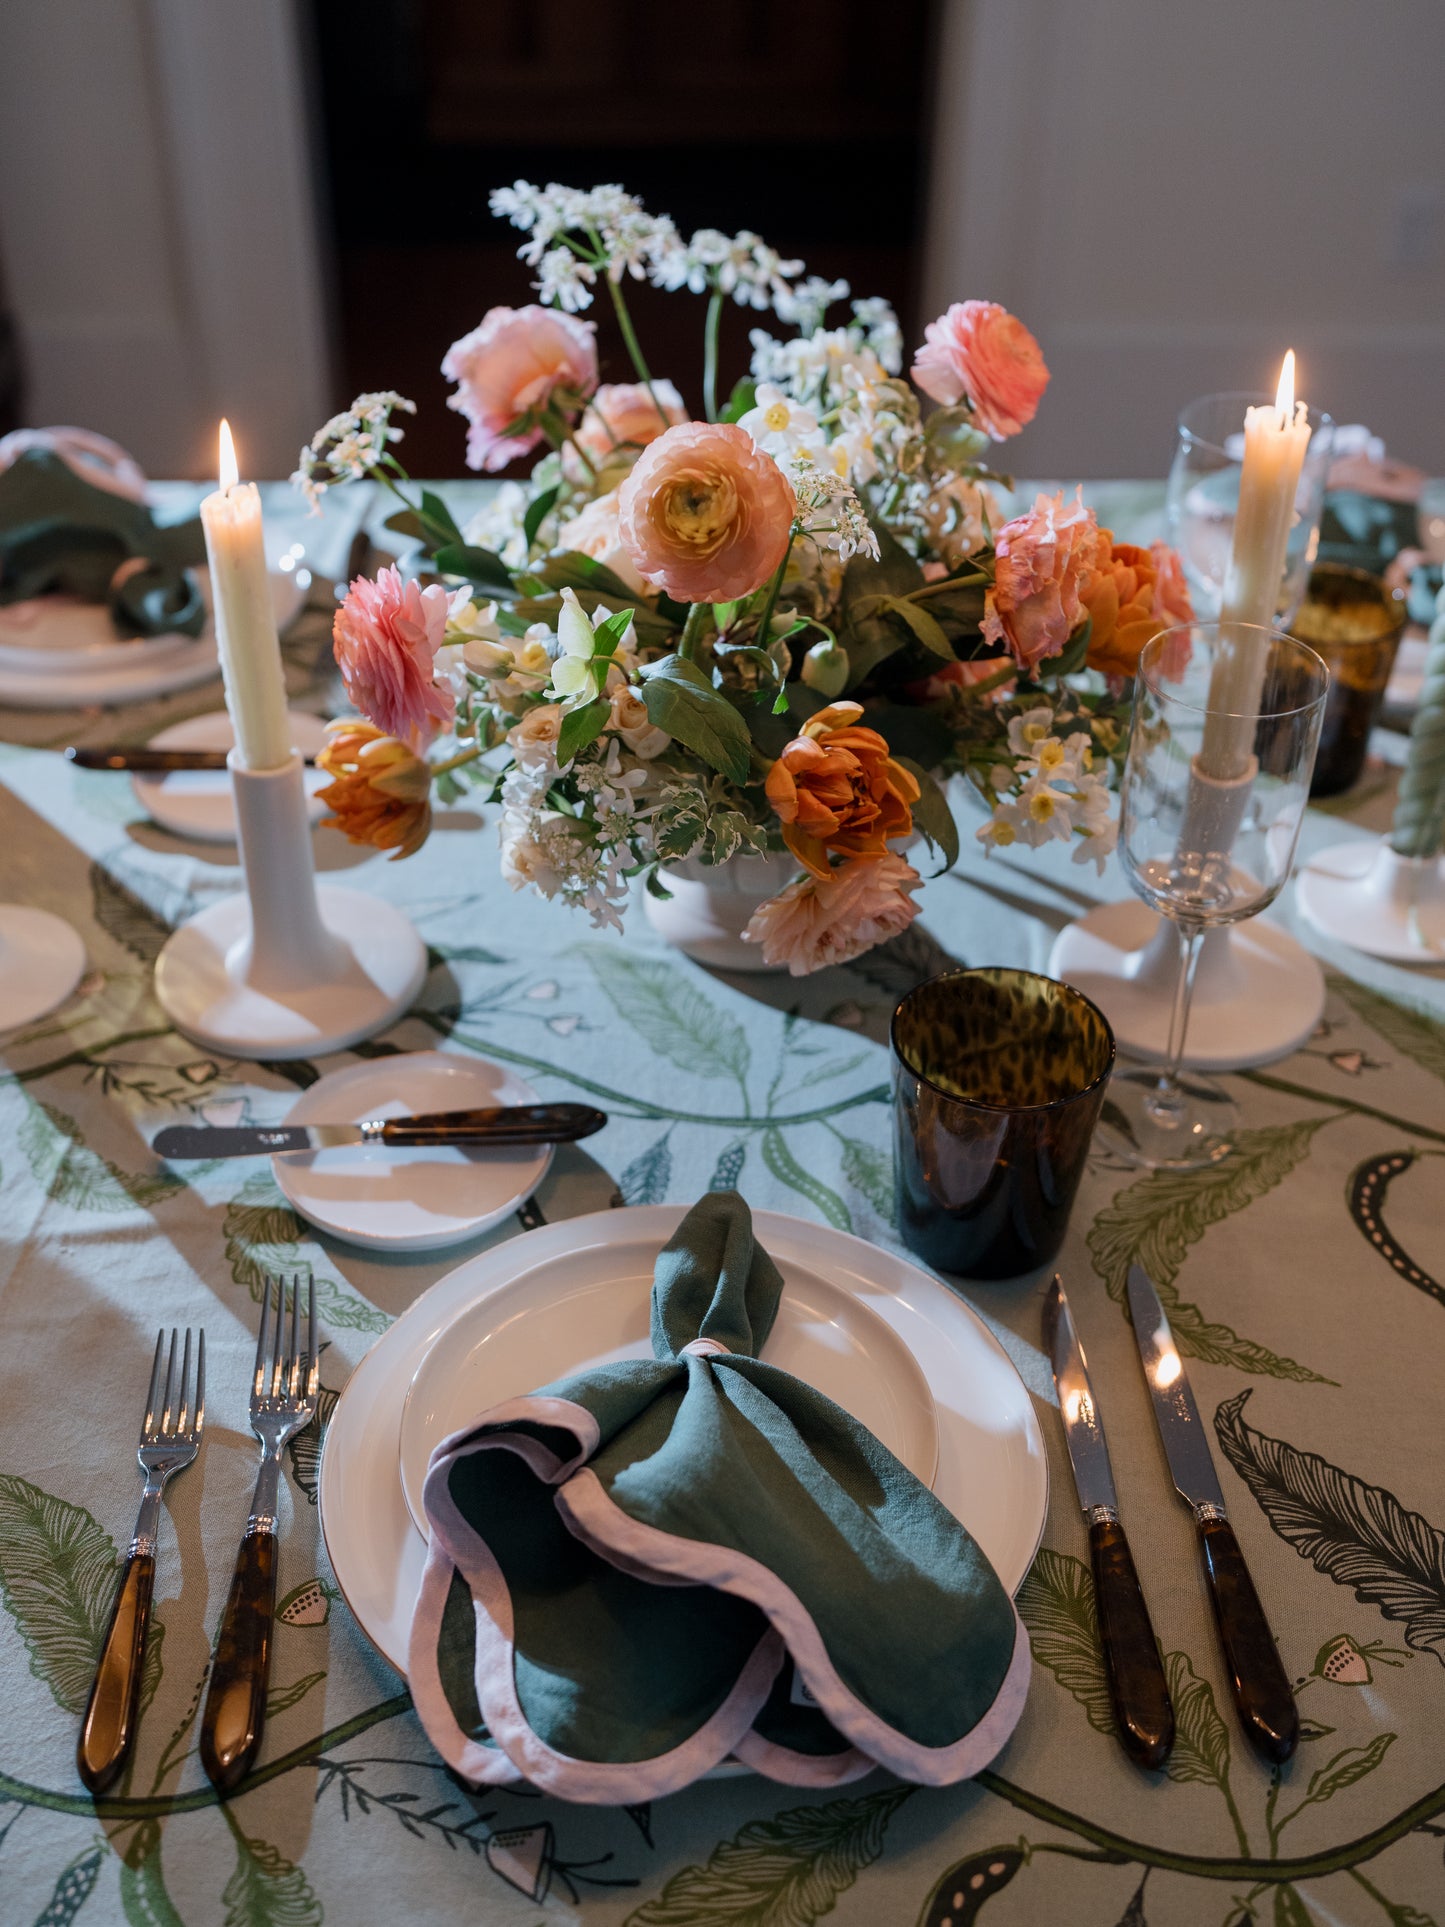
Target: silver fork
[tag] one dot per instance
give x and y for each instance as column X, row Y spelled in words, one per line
column 170, row 1437
column 283, row 1403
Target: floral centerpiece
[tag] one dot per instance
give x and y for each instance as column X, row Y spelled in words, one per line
column 771, row 627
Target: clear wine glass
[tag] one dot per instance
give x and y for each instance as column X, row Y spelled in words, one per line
column 1203, row 495
column 1204, row 850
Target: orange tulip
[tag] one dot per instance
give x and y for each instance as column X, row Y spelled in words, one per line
column 380, row 792
column 837, row 790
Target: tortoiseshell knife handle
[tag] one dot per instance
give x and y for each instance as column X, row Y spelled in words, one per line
column 514, row 1125
column 1137, row 1686
column 1256, row 1675
column 235, row 1715
column 108, row 1730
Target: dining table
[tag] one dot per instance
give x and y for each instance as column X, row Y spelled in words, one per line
column 1304, row 1277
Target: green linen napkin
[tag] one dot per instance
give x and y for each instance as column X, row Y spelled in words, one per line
column 640, row 1570
column 60, row 535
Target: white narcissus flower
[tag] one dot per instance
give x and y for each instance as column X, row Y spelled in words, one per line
column 778, row 425
column 1027, row 731
column 572, row 675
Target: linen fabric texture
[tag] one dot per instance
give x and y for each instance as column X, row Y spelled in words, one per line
column 641, row 1570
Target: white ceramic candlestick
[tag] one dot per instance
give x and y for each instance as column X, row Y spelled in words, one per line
column 41, row 960
column 287, row 969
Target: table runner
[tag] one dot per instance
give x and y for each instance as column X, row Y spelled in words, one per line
column 1306, row 1282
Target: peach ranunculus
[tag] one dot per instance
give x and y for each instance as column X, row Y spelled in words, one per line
column 827, row 920
column 385, row 638
column 706, row 513
column 1043, row 560
column 837, row 791
column 513, row 364
column 624, row 414
column 979, row 353
column 1132, row 595
column 380, row 790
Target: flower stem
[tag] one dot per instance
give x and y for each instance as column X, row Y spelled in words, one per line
column 692, row 631
column 456, row 762
column 634, row 348
column 774, row 590
column 711, row 330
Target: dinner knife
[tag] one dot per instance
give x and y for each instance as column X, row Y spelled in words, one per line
column 1261, row 1688
column 1138, row 1690
column 503, row 1124
column 146, row 760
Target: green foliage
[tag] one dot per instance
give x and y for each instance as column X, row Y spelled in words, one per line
column 698, row 816
column 1412, row 1031
column 74, row 1175
column 679, row 1023
column 480, row 567
column 581, row 726
column 932, row 817
column 743, row 399
column 681, row 700
column 263, row 1237
column 864, row 627
column 538, row 509
column 266, row 1890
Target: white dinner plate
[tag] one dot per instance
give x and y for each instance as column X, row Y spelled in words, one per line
column 394, row 1198
column 560, row 1319
column 199, row 803
column 992, row 1472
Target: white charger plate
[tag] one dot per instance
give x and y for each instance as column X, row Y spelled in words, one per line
column 992, row 1471
column 200, row 803
column 555, row 1321
column 394, row 1198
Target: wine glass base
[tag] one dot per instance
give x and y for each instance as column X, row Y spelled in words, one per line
column 1195, row 1132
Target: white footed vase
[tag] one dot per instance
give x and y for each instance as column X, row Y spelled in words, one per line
column 287, row 968
column 712, row 904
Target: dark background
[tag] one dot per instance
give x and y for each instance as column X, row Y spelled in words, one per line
column 806, row 122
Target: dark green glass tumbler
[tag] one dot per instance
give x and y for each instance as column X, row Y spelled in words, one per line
column 998, row 1080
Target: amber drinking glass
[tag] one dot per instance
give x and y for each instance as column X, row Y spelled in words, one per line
column 998, row 1076
column 1354, row 624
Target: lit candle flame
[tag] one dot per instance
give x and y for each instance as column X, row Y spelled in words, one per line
column 1284, row 394
column 229, row 472
column 1168, row 1368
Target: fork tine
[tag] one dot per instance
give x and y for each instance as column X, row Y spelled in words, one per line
column 313, row 1367
column 167, row 1425
column 183, row 1418
column 148, row 1424
column 293, row 1357
column 260, row 1366
column 278, row 1342
column 200, row 1418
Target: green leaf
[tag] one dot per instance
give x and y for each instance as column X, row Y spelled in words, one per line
column 743, row 398
column 1201, row 1739
column 681, row 700
column 58, row 1575
column 282, row 1698
column 786, row 1168
column 143, row 1895
column 1358, row 1535
column 439, row 514
column 1056, row 1603
column 785, row 1872
column 573, row 570
column 924, row 626
column 305, row 1448
column 646, row 1179
column 662, row 1006
column 932, row 816
column 266, row 1890
column 74, row 1175
column 72, row 1889
column 480, row 567
column 729, row 1167
column 1348, row 1767
column 870, row 1171
column 1155, row 1220
column 408, row 522
column 608, row 634
column 1414, row 1032
column 263, row 1237
column 538, row 511
column 976, row 1880
column 912, row 730
column 580, row 727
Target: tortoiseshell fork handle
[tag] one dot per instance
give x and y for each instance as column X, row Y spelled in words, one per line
column 1257, row 1677
column 1137, row 1686
column 235, row 1714
column 108, row 1731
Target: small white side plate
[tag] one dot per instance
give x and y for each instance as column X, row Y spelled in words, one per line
column 591, row 1310
column 390, row 1198
column 198, row 803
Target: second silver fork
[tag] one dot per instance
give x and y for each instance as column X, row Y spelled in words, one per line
column 284, row 1385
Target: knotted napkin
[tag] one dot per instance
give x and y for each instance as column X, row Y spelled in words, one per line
column 61, row 535
column 640, row 1570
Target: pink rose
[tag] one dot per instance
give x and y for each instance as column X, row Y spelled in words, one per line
column 979, row 353
column 819, row 921
column 706, row 513
column 385, row 637
column 515, row 361
column 624, row 414
column 1044, row 558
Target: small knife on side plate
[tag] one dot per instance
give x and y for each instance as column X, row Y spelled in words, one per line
column 148, row 761
column 502, row 1125
column 1138, row 1689
column 1261, row 1687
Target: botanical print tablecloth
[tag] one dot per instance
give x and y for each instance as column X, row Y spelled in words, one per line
column 1306, row 1279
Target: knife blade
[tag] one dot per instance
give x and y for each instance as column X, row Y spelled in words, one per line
column 145, row 760
column 1138, row 1690
column 502, row 1125
column 1257, row 1678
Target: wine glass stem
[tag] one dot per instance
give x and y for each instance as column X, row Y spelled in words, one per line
column 1168, row 1098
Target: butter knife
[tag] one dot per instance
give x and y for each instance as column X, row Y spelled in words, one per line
column 1138, row 1690
column 146, row 760
column 1257, row 1677
column 503, row 1124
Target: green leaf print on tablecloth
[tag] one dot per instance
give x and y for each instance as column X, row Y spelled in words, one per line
column 263, row 1238
column 1413, row 1032
column 668, row 1013
column 143, row 1893
column 729, row 1167
column 1155, row 1220
column 646, row 1179
column 72, row 1889
column 72, row 1174
column 1359, row 1535
column 1201, row 1739
column 58, row 1573
column 783, row 1872
column 266, row 1890
column 1056, row 1603
column 870, row 1171
column 786, row 1168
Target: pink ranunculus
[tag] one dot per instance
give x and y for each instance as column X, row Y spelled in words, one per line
column 819, row 921
column 1044, row 558
column 514, row 361
column 979, row 353
column 385, row 637
column 706, row 513
column 624, row 414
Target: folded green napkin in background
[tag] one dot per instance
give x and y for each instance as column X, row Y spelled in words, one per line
column 60, row 535
column 640, row 1570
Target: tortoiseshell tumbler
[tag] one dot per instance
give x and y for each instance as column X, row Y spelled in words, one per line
column 998, row 1079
